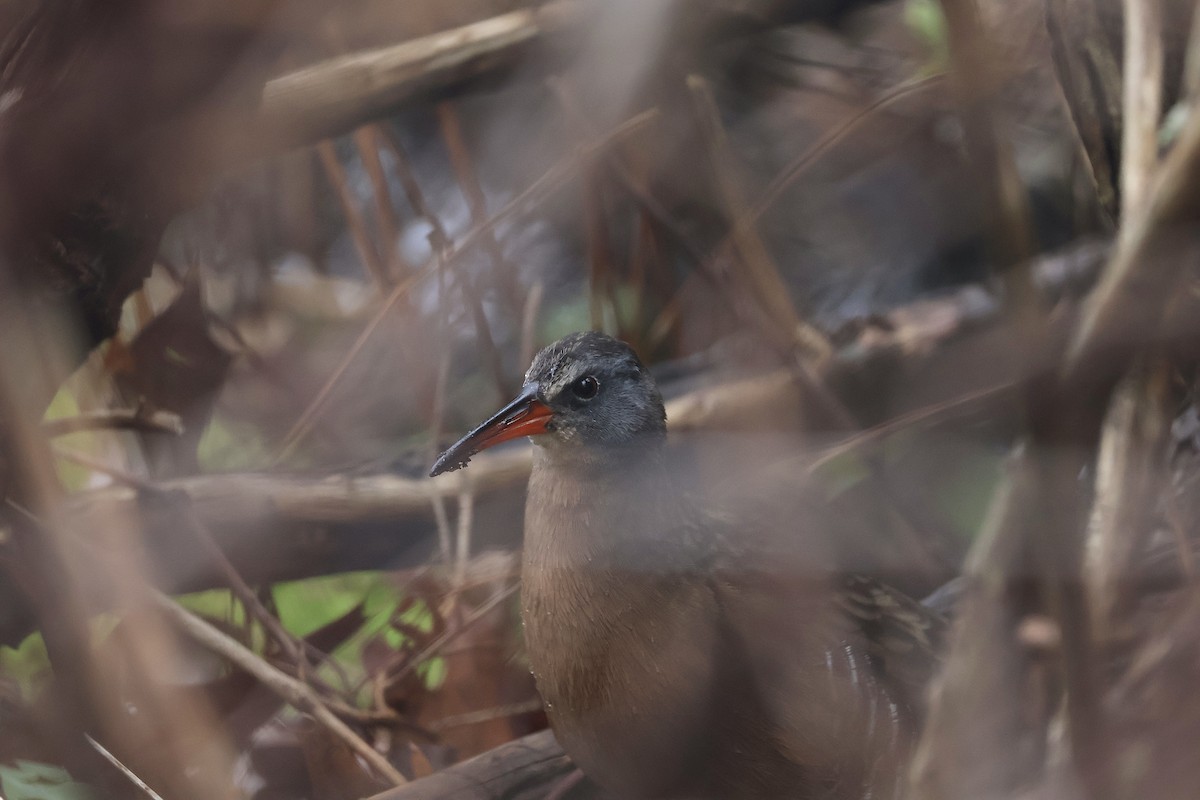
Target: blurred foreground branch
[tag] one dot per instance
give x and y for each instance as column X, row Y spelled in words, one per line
column 526, row 769
column 278, row 527
column 336, row 96
column 1038, row 521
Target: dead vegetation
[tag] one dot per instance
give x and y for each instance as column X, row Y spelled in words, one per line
column 259, row 259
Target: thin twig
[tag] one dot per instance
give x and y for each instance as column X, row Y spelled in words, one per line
column 438, row 502
column 295, row 692
column 138, row 419
column 242, row 591
column 466, row 518
column 641, row 252
column 411, row 664
column 126, row 771
column 1191, row 64
column 929, row 413
column 800, row 165
column 116, row 473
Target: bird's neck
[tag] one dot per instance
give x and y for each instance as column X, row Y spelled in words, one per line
column 605, row 506
column 615, row 616
column 600, row 540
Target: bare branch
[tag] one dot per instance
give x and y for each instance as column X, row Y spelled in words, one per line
column 340, row 94
column 527, row 769
column 136, row 419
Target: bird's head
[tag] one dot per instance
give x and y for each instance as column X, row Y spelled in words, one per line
column 583, row 395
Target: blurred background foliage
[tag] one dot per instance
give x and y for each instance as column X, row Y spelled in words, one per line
column 246, row 338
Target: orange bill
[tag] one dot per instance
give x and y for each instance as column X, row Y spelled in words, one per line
column 524, row 416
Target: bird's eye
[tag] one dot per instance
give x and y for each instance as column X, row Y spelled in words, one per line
column 585, row 388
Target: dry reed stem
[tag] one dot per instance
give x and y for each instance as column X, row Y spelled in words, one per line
column 1143, row 75
column 353, row 215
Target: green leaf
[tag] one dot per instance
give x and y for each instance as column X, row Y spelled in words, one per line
column 220, row 604
column 433, row 672
column 967, row 495
column 215, row 604
column 841, row 473
column 924, row 18
column 304, row 606
column 73, row 476
column 31, row 780
column 27, row 663
column 567, row 317
column 227, row 446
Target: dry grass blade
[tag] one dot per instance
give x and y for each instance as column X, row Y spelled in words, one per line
column 468, row 182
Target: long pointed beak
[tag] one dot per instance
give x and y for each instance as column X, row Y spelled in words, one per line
column 524, row 416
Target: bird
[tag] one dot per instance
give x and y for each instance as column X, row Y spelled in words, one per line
column 689, row 640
